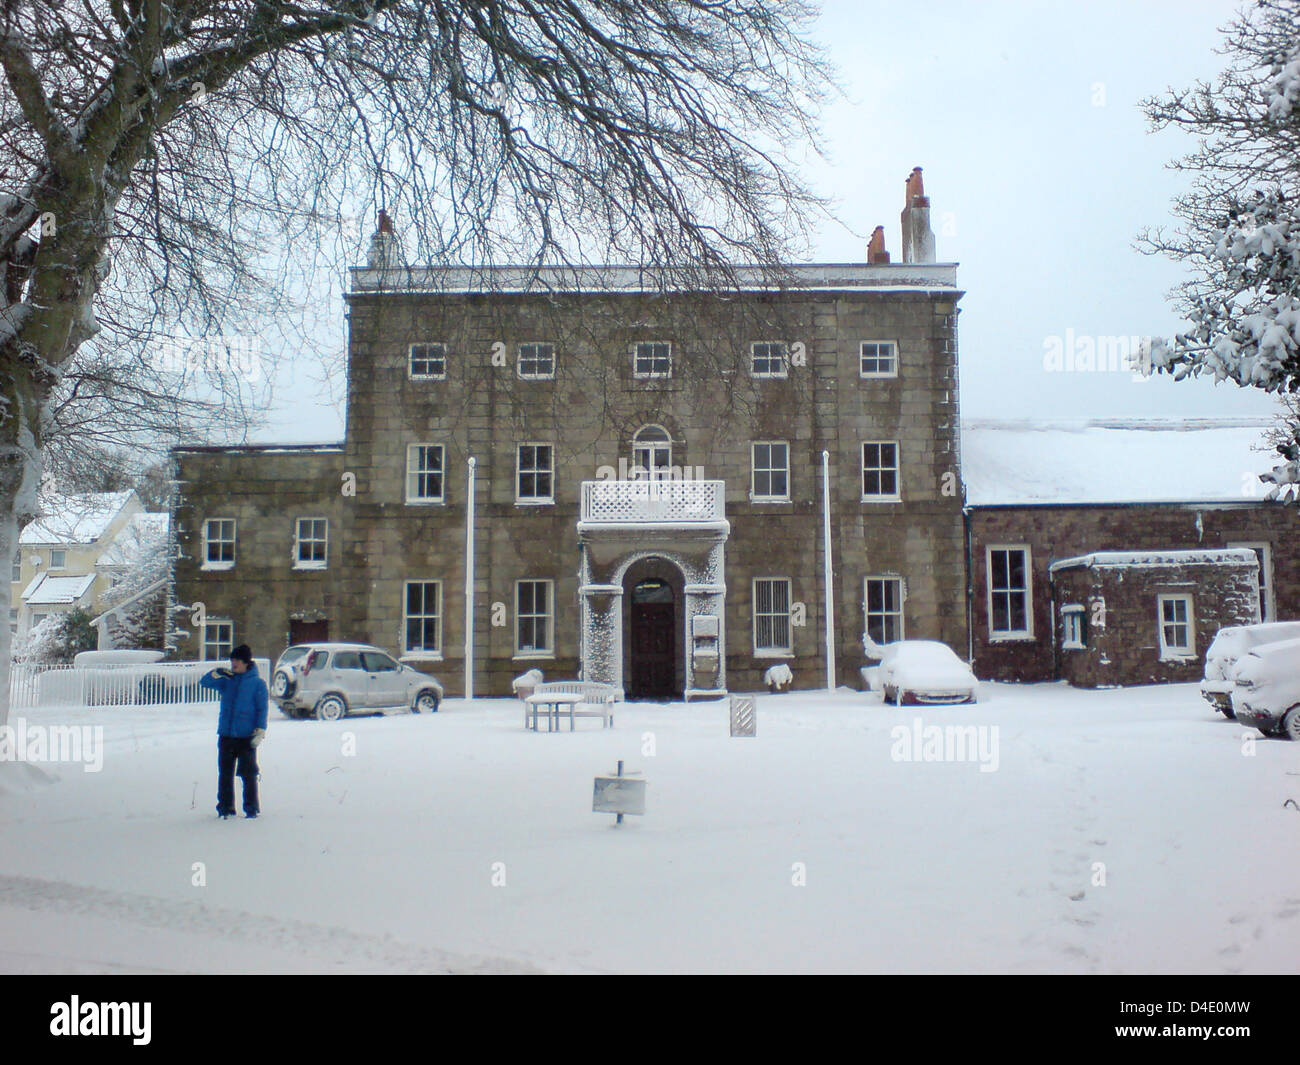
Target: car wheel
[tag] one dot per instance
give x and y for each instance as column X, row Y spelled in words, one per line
column 331, row 708
column 426, row 703
column 1291, row 724
column 1226, row 711
column 281, row 685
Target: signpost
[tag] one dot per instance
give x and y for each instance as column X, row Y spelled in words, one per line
column 619, row 794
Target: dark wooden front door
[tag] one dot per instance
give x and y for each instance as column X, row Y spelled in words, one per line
column 653, row 642
column 308, row 631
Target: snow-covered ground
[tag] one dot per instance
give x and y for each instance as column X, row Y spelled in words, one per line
column 461, row 842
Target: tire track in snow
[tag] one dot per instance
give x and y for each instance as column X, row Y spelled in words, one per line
column 323, row 942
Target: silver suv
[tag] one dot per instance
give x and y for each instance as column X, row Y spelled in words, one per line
column 330, row 680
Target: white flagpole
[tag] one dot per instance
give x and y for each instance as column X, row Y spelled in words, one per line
column 469, row 584
column 830, row 588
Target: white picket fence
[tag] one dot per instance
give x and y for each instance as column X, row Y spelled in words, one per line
column 152, row 684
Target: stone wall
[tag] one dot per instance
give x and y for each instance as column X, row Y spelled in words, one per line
column 265, row 490
column 713, row 410
column 1057, row 532
column 1122, row 623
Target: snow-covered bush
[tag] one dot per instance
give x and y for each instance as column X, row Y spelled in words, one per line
column 57, row 639
column 525, row 684
column 778, row 677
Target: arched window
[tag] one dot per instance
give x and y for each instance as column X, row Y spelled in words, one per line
column 652, row 451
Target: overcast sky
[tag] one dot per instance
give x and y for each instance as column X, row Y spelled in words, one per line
column 1040, row 172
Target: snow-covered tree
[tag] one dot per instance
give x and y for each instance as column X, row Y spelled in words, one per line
column 1240, row 220
column 145, row 548
column 57, row 639
column 168, row 165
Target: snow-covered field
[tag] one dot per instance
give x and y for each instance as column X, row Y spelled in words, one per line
column 461, row 842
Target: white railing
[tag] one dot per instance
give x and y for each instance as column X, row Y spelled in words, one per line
column 653, row 500
column 149, row 684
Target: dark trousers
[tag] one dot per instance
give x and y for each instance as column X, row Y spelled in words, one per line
column 236, row 754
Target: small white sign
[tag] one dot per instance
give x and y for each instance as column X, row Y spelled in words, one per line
column 744, row 716
column 619, row 795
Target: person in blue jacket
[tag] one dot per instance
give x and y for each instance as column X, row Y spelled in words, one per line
column 240, row 728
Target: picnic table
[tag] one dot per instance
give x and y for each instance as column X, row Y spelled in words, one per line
column 557, row 698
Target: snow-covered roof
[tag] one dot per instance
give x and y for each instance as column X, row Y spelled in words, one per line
column 834, row 277
column 48, row 590
column 143, row 530
column 1131, row 559
column 255, row 449
column 1114, row 461
column 75, row 519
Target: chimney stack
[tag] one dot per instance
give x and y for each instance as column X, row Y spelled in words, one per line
column 876, row 249
column 385, row 248
column 918, row 237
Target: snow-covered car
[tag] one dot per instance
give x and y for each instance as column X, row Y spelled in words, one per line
column 1228, row 646
column 1266, row 689
column 927, row 672
column 330, row 680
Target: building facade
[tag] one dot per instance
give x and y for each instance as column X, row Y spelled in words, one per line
column 651, row 473
column 71, row 555
column 1043, row 495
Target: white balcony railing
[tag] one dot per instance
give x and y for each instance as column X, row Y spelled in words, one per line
column 667, row 501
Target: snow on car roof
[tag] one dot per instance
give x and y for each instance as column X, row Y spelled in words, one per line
column 1203, row 460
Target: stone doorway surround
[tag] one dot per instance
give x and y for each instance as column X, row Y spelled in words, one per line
column 681, row 525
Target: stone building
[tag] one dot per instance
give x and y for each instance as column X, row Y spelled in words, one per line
column 1132, row 617
column 651, row 468
column 1040, row 496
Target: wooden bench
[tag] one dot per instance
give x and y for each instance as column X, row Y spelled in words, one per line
column 557, row 698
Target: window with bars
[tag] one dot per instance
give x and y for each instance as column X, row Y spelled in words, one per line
column 883, row 599
column 311, row 543
column 533, row 628
column 424, row 473
column 768, row 359
column 218, row 640
column 422, row 617
column 880, row 470
column 772, row 615
column 1177, row 637
column 1008, row 577
column 427, row 361
column 537, row 360
column 219, row 543
column 535, row 474
column 652, row 360
column 771, row 470
column 879, row 358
